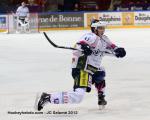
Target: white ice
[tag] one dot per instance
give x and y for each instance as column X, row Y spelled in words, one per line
column 29, row 64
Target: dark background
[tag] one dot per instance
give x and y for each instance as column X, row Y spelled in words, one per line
column 8, row 6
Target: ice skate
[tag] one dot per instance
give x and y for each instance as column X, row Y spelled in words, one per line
column 101, row 101
column 45, row 98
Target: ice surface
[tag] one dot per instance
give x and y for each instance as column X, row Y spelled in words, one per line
column 29, row 64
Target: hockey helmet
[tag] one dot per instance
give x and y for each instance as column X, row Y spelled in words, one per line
column 96, row 24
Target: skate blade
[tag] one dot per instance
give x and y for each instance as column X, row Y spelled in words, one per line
column 38, row 96
column 101, row 107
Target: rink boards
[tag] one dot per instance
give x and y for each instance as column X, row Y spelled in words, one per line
column 81, row 20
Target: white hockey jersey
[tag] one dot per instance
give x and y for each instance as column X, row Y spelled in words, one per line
column 100, row 47
column 22, row 11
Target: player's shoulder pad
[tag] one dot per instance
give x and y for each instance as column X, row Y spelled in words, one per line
column 105, row 37
column 20, row 7
column 109, row 42
column 89, row 37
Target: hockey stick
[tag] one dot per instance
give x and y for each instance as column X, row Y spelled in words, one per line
column 63, row 47
column 57, row 46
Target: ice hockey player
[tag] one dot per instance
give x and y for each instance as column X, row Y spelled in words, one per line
column 86, row 68
column 22, row 17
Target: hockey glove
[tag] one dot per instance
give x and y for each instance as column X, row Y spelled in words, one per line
column 120, row 52
column 86, row 49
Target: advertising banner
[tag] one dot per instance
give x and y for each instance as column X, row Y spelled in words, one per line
column 3, row 21
column 128, row 18
column 61, row 20
column 111, row 18
column 88, row 17
column 142, row 18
